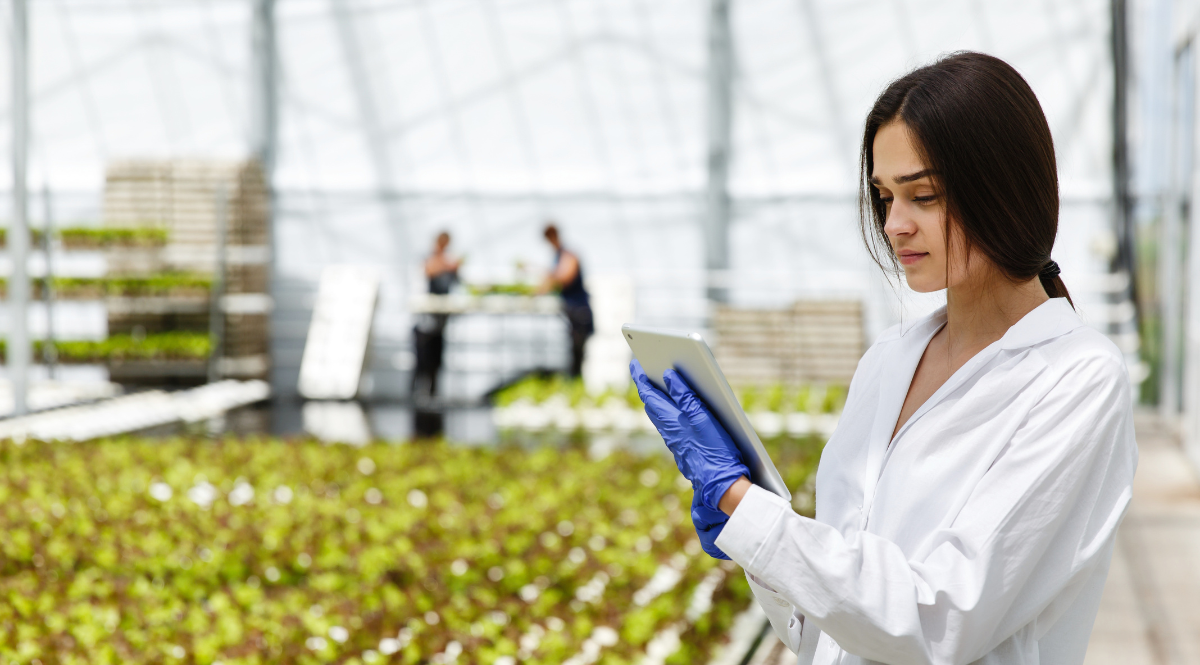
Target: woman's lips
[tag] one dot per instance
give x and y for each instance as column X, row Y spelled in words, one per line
column 911, row 258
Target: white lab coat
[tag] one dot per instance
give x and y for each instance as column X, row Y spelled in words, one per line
column 983, row 533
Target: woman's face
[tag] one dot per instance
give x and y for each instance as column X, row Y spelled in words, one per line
column 916, row 213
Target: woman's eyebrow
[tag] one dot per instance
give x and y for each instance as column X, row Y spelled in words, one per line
column 900, row 180
column 913, row 176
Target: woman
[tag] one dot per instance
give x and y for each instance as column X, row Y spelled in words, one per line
column 429, row 333
column 967, row 503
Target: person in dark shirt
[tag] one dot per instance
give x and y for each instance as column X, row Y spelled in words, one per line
column 428, row 334
column 567, row 279
column 440, row 269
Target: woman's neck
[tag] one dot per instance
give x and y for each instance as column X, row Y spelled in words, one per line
column 980, row 311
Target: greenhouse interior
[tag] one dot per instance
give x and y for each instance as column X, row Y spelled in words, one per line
column 290, row 374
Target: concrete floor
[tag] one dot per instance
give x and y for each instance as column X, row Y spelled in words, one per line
column 1150, row 613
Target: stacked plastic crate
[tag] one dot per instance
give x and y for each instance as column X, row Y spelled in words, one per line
column 811, row 342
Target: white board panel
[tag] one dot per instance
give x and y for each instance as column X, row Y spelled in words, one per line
column 336, row 347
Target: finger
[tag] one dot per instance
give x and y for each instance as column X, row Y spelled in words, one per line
column 635, row 369
column 662, row 412
column 639, row 377
column 647, row 390
column 699, row 509
column 681, row 454
column 707, row 521
column 703, row 517
column 682, row 393
column 652, row 396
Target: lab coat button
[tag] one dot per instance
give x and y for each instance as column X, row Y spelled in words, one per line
column 781, row 602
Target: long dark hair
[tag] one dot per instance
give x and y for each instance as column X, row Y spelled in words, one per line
column 981, row 130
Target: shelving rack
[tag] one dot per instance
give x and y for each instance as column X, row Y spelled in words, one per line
column 215, row 214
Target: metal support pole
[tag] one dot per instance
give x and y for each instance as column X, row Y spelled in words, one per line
column 49, row 350
column 1124, row 329
column 720, row 126
column 1172, row 247
column 216, row 313
column 1124, row 259
column 264, row 116
column 18, row 234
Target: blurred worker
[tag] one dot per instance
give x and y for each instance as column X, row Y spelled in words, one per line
column 567, row 279
column 442, row 273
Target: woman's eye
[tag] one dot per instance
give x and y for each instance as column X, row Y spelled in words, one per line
column 925, row 200
column 886, row 199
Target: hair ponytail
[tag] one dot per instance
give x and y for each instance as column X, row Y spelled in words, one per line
column 1052, row 282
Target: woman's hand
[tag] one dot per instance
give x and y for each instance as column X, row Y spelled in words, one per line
column 703, row 451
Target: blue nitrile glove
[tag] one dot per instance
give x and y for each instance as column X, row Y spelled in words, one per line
column 709, row 524
column 702, row 448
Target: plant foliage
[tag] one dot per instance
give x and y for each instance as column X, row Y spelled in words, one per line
column 96, row 237
column 174, row 345
column 255, row 551
column 170, row 284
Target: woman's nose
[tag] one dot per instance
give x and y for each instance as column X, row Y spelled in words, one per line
column 898, row 223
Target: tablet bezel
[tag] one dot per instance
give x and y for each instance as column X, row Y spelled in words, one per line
column 659, row 349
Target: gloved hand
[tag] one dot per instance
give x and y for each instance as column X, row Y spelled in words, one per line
column 702, row 448
column 709, row 524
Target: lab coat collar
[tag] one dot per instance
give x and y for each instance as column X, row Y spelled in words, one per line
column 919, row 328
column 1051, row 319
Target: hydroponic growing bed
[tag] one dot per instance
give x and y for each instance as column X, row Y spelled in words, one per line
column 538, row 404
column 256, row 551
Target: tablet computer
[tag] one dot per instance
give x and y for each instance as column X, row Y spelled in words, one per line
column 659, row 350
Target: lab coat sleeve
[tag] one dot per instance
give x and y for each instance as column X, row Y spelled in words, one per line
column 1038, row 522
column 785, row 621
